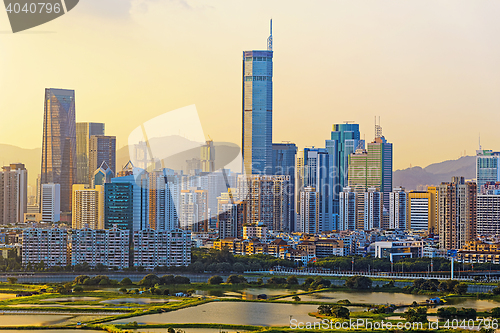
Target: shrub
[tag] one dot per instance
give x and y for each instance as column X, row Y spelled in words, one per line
column 216, row 279
column 358, row 282
column 178, row 279
column 149, row 280
column 126, row 282
column 292, row 280
column 78, row 289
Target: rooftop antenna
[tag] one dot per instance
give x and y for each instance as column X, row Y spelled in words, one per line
column 480, row 141
column 378, row 128
column 270, row 38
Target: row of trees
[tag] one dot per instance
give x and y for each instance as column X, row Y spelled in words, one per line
column 451, row 286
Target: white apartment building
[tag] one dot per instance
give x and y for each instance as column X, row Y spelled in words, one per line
column 158, row 248
column 107, row 247
column 51, row 202
column 49, row 246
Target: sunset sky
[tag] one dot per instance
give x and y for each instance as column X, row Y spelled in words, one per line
column 429, row 68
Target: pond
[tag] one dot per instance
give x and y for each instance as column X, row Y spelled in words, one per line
column 233, row 313
column 58, row 331
column 187, row 330
column 138, row 300
column 71, row 299
column 365, row 297
column 32, row 320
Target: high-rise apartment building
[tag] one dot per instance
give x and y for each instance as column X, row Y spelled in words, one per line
column 487, row 167
column 257, row 112
column 194, row 210
column 284, row 156
column 309, row 210
column 268, row 200
column 59, row 142
column 88, row 207
column 318, row 173
column 398, row 208
column 457, row 213
column 231, row 215
column 207, row 157
column 13, row 193
column 83, row 133
column 101, row 149
column 51, row 202
column 488, row 209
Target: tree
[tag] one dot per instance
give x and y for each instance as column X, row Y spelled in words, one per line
column 78, row 289
column 126, row 282
column 12, row 280
column 325, row 309
column 358, row 282
column 100, row 268
column 340, row 312
column 167, row 279
column 460, row 288
column 197, row 267
column 80, row 279
column 216, row 279
column 276, row 280
column 416, row 314
column 234, row 279
column 149, row 280
column 296, row 298
column 292, row 280
column 495, row 313
column 238, row 267
column 123, row 290
column 178, row 279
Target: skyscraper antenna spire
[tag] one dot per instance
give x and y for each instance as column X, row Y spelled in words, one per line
column 480, row 141
column 270, row 38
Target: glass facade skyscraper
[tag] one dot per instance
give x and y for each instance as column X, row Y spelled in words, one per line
column 59, row 142
column 101, row 149
column 83, row 133
column 284, row 164
column 487, row 167
column 257, row 112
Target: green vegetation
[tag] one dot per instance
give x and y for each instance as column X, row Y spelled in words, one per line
column 358, row 282
column 451, row 312
column 418, row 315
column 335, row 311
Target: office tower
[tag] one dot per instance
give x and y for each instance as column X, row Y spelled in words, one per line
column 457, row 213
column 126, row 202
column 39, row 192
column 347, row 209
column 194, row 210
column 231, row 215
column 156, row 200
column 88, row 207
column 257, row 112
column 398, row 208
column 83, row 133
column 487, row 167
column 161, row 248
column 141, row 156
column 100, row 247
column 13, row 193
column 318, row 173
column 101, row 149
column 284, row 155
column 422, row 210
column 309, row 210
column 488, row 209
column 51, row 202
column 49, row 246
column 207, row 157
column 102, row 175
column 347, row 139
column 59, row 142
column 268, row 201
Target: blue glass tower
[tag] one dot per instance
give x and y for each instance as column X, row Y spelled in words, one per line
column 257, row 129
column 126, row 203
column 345, row 139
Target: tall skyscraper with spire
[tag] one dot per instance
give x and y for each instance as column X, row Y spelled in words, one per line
column 59, row 142
column 257, row 129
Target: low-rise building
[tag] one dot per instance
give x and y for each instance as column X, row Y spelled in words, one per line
column 395, row 250
column 479, row 252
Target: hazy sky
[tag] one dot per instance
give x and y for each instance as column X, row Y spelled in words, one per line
column 430, row 69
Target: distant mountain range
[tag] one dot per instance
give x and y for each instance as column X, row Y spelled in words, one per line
column 409, row 178
column 435, row 173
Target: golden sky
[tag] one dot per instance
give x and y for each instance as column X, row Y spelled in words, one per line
column 429, row 68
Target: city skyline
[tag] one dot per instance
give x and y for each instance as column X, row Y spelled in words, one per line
column 335, row 71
